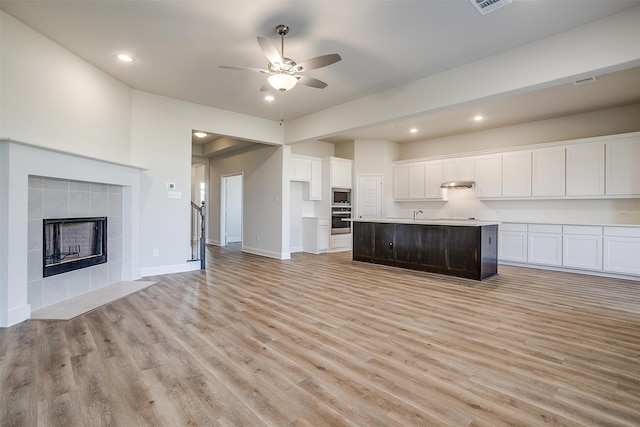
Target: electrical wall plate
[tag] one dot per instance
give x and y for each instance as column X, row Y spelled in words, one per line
column 171, row 185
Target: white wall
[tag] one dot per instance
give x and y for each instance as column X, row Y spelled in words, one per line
column 602, row 46
column 263, row 202
column 376, row 157
column 161, row 142
column 314, row 148
column 596, row 123
column 234, row 208
column 54, row 99
column 51, row 98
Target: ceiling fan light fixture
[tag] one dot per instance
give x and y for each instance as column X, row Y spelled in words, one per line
column 282, row 82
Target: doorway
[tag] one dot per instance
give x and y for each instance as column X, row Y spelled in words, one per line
column 199, row 198
column 231, row 209
column 369, row 196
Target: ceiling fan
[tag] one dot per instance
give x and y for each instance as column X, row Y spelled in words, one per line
column 284, row 72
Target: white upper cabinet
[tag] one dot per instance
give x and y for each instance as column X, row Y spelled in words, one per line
column 300, row 169
column 401, row 182
column 315, row 184
column 585, row 170
column 548, row 172
column 433, row 179
column 340, row 173
column 516, row 174
column 308, row 169
column 488, row 176
column 623, row 167
column 460, row 169
column 416, row 180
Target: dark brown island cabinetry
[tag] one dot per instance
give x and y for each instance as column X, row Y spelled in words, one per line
column 455, row 250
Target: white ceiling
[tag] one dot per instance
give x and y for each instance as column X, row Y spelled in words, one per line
column 178, row 45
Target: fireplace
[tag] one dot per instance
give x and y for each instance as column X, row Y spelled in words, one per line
column 73, row 243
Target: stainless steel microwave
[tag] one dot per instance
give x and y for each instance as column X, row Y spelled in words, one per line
column 341, row 196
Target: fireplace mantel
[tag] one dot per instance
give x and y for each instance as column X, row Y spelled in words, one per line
column 19, row 161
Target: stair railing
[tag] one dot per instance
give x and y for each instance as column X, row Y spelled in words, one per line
column 198, row 243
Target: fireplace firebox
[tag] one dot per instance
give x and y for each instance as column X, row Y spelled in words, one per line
column 73, row 243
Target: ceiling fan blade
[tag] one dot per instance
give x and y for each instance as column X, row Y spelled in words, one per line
column 318, row 62
column 241, row 68
column 270, row 50
column 310, row 81
column 265, row 87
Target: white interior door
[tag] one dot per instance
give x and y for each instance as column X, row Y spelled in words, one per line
column 230, row 209
column 369, row 196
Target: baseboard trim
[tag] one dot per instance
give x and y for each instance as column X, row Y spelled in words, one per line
column 170, row 269
column 15, row 315
column 573, row 270
column 265, row 253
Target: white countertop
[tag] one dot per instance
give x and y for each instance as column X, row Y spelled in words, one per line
column 450, row 222
column 592, row 224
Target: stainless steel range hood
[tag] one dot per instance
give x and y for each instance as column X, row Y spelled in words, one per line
column 458, row 184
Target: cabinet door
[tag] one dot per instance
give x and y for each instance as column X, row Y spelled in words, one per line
column 488, row 176
column 460, row 169
column 407, row 243
column 585, row 170
column 580, row 251
column 341, row 173
column 301, row 169
column 548, row 173
column 363, row 241
column 463, row 244
column 433, row 250
column 623, row 171
column 384, row 241
column 622, row 255
column 516, row 174
column 433, row 179
column 315, row 184
column 512, row 246
column 416, row 180
column 545, row 249
column 324, row 234
column 401, row 182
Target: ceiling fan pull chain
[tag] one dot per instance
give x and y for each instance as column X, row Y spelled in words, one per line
column 281, row 108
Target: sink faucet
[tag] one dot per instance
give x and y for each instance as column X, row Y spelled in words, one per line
column 415, row 214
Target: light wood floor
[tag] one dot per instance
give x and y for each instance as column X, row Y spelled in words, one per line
column 321, row 340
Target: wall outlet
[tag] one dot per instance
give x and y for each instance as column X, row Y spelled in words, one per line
column 155, row 252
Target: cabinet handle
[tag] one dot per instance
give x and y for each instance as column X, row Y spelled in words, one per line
column 390, row 245
column 489, row 239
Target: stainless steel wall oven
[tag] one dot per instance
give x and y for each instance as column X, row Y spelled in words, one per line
column 338, row 213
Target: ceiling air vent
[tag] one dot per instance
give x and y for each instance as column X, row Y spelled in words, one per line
column 486, row 6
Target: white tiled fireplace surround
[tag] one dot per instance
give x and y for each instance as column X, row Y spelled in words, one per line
column 53, row 198
column 37, row 183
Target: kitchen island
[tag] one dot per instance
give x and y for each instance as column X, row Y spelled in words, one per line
column 462, row 248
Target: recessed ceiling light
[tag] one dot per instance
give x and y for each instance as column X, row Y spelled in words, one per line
column 200, row 134
column 269, row 98
column 413, row 130
column 478, row 118
column 125, row 58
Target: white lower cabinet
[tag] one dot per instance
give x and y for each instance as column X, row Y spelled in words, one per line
column 512, row 242
column 545, row 244
column 340, row 242
column 315, row 235
column 604, row 249
column 582, row 247
column 622, row 250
